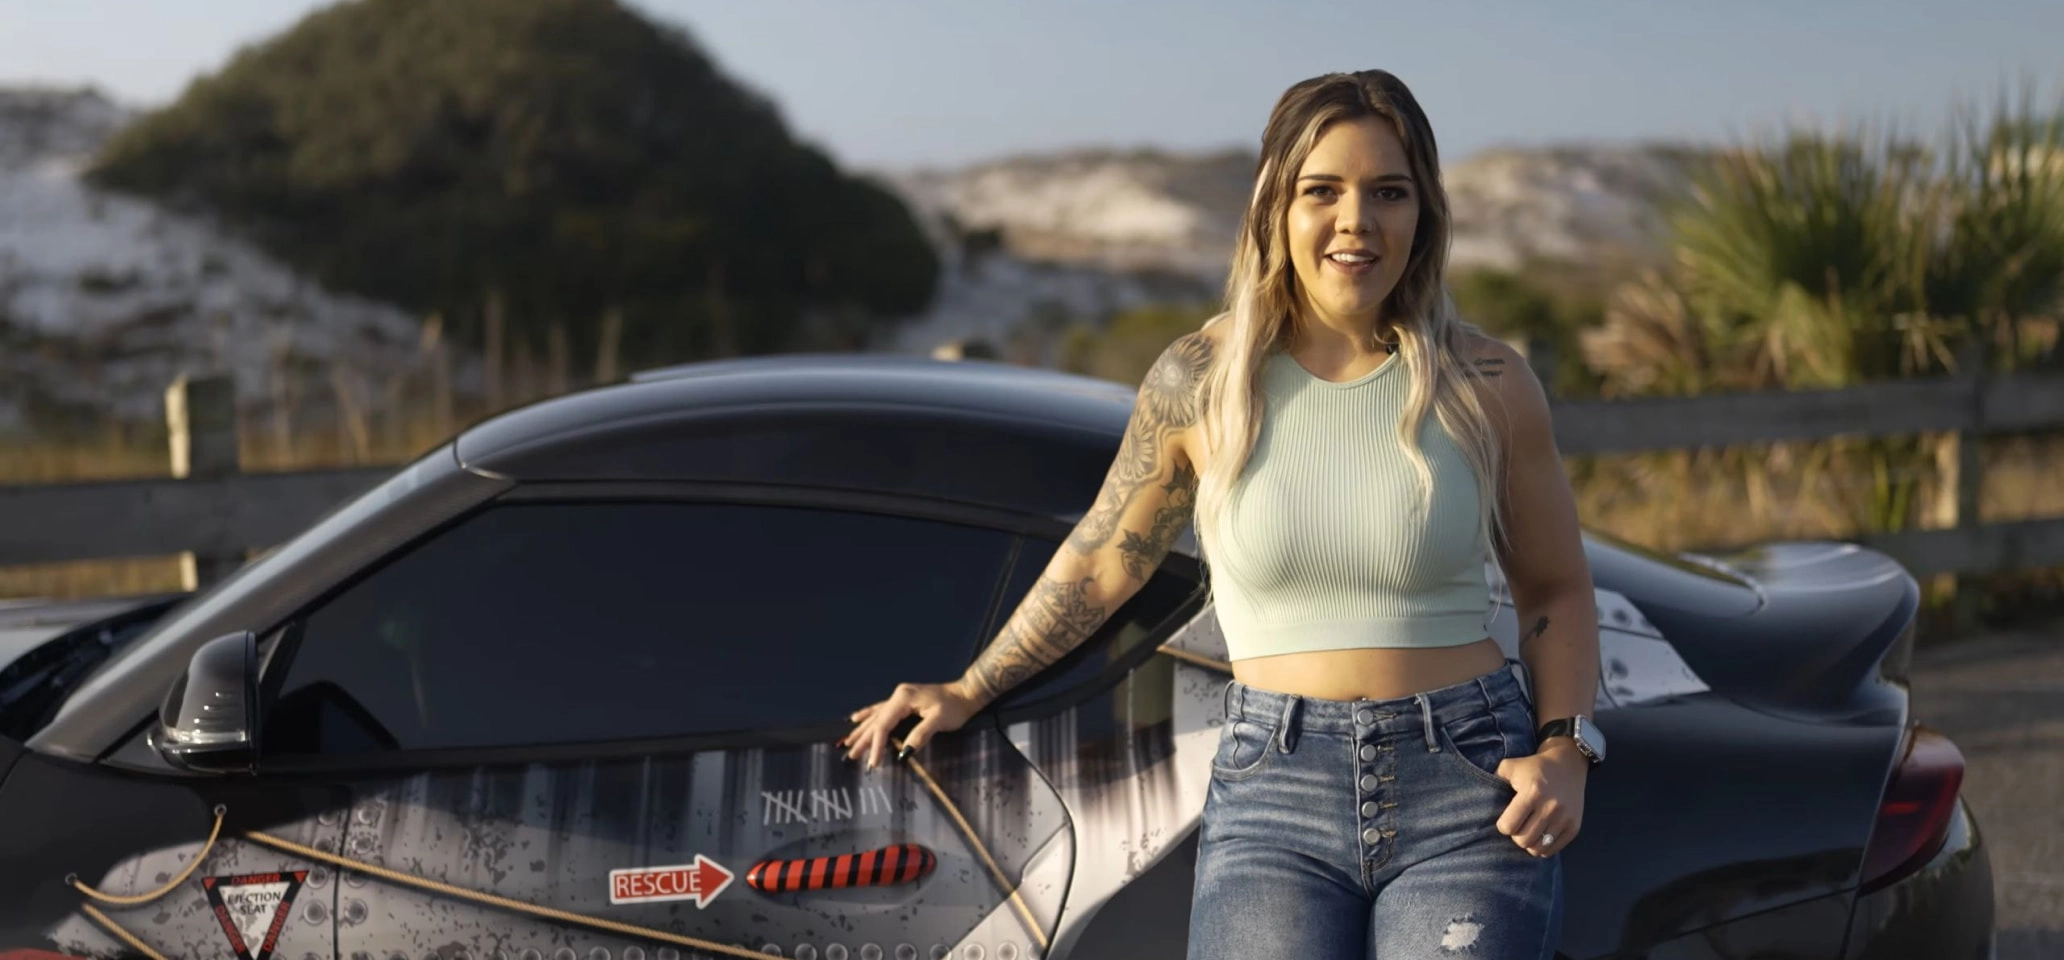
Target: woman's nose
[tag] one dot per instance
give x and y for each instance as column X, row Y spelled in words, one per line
column 1354, row 218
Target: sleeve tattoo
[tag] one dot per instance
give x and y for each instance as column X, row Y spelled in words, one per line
column 1055, row 617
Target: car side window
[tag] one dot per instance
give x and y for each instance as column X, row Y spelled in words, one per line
column 551, row 623
column 1147, row 618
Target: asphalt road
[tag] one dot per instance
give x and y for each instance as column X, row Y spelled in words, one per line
column 2001, row 699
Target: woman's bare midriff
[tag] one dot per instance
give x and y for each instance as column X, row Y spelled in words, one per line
column 1375, row 674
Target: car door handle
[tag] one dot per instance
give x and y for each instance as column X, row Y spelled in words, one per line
column 897, row 863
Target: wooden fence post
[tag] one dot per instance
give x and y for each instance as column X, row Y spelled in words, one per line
column 200, row 416
column 1972, row 361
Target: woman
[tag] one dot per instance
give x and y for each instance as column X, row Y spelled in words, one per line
column 1381, row 782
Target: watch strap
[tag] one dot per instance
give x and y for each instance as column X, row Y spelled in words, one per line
column 1566, row 727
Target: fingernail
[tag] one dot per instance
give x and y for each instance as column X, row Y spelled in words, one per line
column 903, row 753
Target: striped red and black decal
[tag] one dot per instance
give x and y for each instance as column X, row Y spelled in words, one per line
column 894, row 864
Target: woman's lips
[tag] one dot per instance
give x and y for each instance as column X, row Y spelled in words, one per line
column 1351, row 269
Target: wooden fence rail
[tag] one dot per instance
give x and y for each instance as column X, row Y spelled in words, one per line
column 2018, row 404
column 212, row 513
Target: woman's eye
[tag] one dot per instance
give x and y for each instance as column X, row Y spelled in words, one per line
column 1318, row 191
column 1395, row 194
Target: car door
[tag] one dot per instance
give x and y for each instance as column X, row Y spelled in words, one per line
column 602, row 730
column 1123, row 729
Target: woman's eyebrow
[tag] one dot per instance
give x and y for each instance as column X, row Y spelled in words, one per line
column 1335, row 178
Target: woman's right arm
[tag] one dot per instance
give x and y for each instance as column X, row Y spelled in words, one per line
column 1145, row 503
column 1143, row 507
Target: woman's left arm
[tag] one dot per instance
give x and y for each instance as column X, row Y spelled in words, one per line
column 1550, row 580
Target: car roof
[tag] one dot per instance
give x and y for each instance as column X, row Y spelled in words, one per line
column 1017, row 438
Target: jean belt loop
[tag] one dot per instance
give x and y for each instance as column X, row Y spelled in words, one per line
column 1286, row 727
column 1225, row 700
column 1525, row 679
column 1426, row 713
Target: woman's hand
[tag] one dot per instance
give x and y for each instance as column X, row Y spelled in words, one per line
column 940, row 707
column 1550, row 799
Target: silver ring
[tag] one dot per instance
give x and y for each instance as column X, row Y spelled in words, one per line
column 1547, row 838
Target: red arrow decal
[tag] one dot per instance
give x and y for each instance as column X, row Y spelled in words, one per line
column 700, row 881
column 711, row 878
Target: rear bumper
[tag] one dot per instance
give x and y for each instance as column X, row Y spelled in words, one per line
column 1941, row 912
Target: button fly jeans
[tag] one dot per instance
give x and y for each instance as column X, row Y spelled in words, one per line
column 1348, row 829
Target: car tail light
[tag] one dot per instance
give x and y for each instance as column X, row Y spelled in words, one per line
column 1913, row 817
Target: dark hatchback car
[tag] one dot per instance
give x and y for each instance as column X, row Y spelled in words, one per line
column 566, row 688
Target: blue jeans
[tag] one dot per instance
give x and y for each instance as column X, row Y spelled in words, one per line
column 1345, row 829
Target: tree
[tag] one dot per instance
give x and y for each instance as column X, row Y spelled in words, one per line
column 565, row 156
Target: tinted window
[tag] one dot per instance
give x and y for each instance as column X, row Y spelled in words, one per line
column 1143, row 619
column 544, row 623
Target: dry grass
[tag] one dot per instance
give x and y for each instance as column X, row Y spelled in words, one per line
column 121, row 453
column 92, row 578
column 1740, row 495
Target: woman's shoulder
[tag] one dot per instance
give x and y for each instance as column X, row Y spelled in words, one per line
column 1186, row 359
column 1209, row 335
column 1505, row 379
column 1495, row 364
column 1173, row 385
column 1481, row 351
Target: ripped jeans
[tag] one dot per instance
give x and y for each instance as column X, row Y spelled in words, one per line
column 1346, row 829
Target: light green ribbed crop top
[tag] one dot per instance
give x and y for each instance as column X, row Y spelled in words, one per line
column 1328, row 542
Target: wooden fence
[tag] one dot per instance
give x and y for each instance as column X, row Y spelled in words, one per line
column 211, row 512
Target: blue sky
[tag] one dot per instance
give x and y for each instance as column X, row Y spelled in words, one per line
column 901, row 83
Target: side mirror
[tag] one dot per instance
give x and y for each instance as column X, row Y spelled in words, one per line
column 209, row 723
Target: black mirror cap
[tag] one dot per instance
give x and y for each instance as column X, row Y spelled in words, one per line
column 209, row 723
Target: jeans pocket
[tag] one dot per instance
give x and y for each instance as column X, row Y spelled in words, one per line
column 1477, row 744
column 1516, row 718
column 1243, row 750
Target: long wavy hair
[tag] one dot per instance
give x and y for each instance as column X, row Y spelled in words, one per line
column 1261, row 303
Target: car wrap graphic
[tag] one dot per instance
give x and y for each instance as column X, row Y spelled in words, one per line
column 163, row 900
column 987, row 838
column 253, row 909
column 893, row 864
column 700, row 881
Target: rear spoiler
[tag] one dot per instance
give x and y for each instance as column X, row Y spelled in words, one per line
column 1832, row 621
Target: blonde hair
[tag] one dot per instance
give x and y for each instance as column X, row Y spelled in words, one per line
column 1261, row 303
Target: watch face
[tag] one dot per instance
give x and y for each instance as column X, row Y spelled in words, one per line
column 1590, row 739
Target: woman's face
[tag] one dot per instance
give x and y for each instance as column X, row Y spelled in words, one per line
column 1353, row 211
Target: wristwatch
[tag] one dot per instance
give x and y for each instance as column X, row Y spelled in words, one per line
column 1590, row 740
